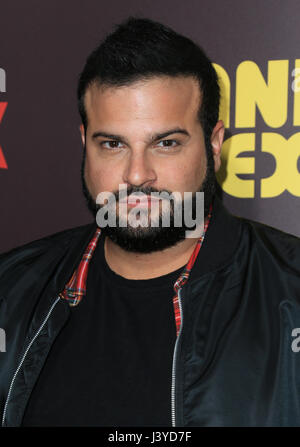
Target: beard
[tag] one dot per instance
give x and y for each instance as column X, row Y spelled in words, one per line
column 154, row 238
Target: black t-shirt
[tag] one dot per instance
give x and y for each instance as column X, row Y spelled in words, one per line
column 111, row 364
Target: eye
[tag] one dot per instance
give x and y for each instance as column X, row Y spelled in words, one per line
column 168, row 143
column 112, row 144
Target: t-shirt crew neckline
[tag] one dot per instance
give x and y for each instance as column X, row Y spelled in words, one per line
column 161, row 281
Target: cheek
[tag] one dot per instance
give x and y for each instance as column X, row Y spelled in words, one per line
column 184, row 176
column 197, row 172
column 100, row 178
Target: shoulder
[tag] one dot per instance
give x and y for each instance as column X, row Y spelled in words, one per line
column 46, row 242
column 41, row 250
column 275, row 244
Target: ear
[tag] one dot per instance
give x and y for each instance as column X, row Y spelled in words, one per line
column 216, row 139
column 81, row 128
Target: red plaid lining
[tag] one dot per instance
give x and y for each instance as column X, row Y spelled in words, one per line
column 75, row 289
column 184, row 276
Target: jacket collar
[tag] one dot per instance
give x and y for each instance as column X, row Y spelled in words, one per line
column 220, row 242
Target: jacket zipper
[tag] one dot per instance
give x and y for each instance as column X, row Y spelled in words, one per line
column 43, row 324
column 23, row 358
column 174, row 365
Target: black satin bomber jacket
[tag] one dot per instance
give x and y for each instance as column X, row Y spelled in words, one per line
column 237, row 361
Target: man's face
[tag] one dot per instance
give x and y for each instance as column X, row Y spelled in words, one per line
column 147, row 135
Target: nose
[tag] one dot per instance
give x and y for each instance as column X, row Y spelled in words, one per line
column 139, row 170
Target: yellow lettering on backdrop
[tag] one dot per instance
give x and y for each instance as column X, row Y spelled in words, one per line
column 224, row 84
column 231, row 149
column 286, row 175
column 271, row 98
column 296, row 89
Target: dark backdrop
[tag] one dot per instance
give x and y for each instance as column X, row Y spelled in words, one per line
column 43, row 47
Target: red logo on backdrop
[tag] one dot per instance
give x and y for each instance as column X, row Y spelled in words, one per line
column 3, row 164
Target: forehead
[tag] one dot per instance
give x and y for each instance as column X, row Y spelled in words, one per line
column 157, row 100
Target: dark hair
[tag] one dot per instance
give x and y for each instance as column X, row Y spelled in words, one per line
column 140, row 48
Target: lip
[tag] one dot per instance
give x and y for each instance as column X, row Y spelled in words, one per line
column 139, row 201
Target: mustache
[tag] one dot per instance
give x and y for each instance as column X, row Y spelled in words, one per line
column 136, row 189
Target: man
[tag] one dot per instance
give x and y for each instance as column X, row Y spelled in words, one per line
column 142, row 325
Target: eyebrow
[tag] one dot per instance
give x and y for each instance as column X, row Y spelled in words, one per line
column 153, row 138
